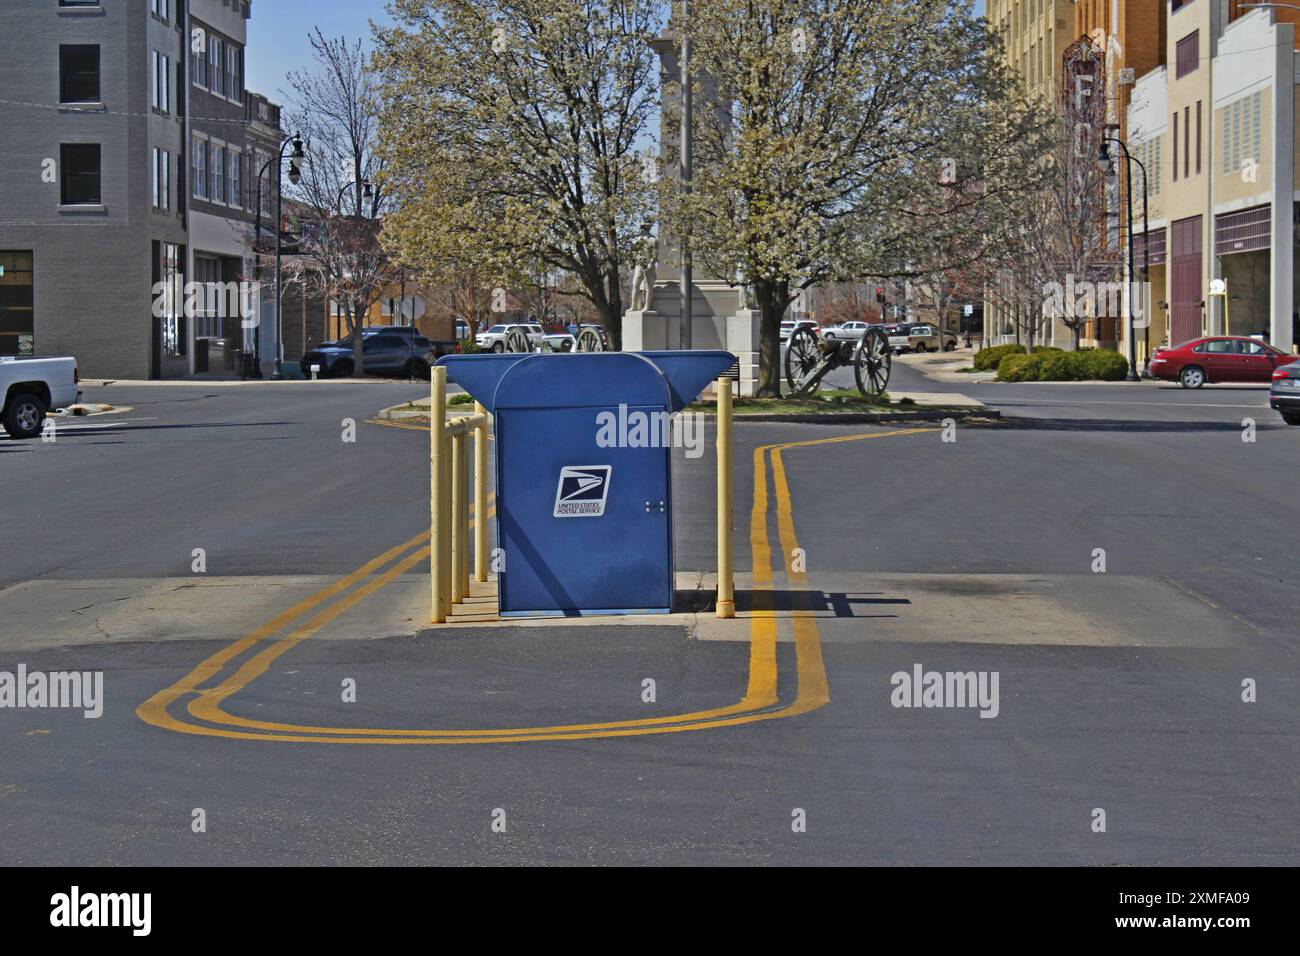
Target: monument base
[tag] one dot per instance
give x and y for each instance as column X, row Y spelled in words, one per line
column 660, row 328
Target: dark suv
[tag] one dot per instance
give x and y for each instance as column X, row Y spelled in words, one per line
column 386, row 352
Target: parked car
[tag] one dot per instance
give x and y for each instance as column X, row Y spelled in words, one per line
column 31, row 388
column 495, row 337
column 921, row 337
column 1219, row 358
column 1284, row 392
column 787, row 329
column 845, row 331
column 383, row 353
column 411, row 334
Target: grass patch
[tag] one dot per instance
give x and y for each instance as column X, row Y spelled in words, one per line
column 830, row 402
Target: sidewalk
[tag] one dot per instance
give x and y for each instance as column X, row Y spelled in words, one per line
column 943, row 366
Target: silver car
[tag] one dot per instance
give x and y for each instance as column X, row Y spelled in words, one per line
column 845, row 332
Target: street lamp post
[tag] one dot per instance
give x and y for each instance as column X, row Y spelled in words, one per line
column 295, row 176
column 1129, row 161
column 367, row 192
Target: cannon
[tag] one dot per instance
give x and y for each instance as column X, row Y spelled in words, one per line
column 809, row 358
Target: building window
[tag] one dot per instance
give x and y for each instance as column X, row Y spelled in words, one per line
column 1198, row 137
column 200, row 168
column 162, row 179
column 173, row 324
column 161, row 96
column 1187, row 141
column 233, row 90
column 1174, row 141
column 17, row 315
column 1188, row 54
column 216, row 78
column 207, row 321
column 234, row 179
column 78, row 74
column 217, row 169
column 79, row 169
column 199, row 61
column 160, row 9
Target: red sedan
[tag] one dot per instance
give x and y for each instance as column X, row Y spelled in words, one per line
column 1219, row 358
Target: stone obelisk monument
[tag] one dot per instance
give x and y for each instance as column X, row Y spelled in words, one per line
column 720, row 316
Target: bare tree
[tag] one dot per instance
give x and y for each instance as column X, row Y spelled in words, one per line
column 341, row 255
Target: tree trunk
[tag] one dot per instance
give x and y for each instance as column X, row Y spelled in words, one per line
column 612, row 317
column 771, row 306
column 358, row 353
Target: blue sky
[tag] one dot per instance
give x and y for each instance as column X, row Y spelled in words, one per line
column 277, row 35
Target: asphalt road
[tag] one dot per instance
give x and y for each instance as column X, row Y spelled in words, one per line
column 1119, row 691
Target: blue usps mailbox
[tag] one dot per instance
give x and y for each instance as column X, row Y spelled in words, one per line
column 583, row 473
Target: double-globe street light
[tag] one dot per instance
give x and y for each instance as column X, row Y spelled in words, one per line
column 1104, row 159
column 295, row 177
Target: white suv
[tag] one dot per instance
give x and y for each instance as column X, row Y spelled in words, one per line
column 495, row 337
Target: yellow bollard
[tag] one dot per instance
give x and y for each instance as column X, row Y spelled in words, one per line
column 445, row 523
column 437, row 489
column 458, row 505
column 480, row 497
column 726, row 582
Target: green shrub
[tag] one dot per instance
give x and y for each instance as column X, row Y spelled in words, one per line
column 1018, row 367
column 460, row 398
column 1059, row 366
column 986, row 360
column 469, row 347
column 1104, row 364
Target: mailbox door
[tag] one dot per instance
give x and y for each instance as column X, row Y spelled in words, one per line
column 573, row 519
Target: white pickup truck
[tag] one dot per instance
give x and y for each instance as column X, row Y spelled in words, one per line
column 32, row 387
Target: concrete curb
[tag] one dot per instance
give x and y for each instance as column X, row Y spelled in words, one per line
column 851, row 418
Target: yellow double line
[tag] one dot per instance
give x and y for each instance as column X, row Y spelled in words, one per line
column 760, row 702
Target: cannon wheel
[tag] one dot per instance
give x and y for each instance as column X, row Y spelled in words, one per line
column 872, row 363
column 589, row 340
column 801, row 356
column 517, row 341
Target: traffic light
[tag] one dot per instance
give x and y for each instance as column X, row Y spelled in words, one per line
column 880, row 294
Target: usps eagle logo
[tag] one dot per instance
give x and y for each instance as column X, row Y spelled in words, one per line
column 582, row 491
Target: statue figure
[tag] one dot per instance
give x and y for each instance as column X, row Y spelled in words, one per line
column 643, row 276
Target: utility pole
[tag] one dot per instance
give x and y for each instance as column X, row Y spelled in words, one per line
column 684, row 170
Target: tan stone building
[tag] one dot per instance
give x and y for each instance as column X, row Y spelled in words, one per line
column 1216, row 128
column 1035, row 35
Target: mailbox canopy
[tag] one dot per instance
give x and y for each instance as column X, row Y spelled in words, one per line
column 687, row 373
